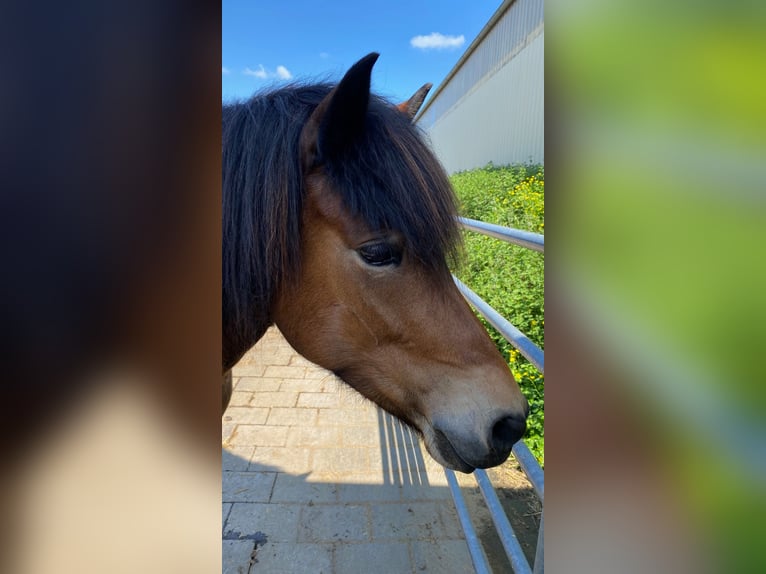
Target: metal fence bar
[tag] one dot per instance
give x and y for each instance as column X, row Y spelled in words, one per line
column 527, row 239
column 515, row 337
column 540, row 552
column 531, row 468
column 507, row 535
column 524, row 457
column 479, row 559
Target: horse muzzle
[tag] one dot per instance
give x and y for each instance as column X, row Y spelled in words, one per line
column 465, row 447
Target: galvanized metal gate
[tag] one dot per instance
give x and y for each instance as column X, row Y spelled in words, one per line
column 522, row 453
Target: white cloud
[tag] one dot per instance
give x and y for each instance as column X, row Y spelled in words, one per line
column 224, row 70
column 436, row 41
column 259, row 73
column 283, row 73
column 262, row 73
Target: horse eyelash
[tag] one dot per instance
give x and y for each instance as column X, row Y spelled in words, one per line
column 370, row 251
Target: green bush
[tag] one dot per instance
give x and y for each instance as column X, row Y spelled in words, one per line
column 508, row 277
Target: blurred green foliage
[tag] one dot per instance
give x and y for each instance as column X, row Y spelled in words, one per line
column 661, row 111
column 508, row 277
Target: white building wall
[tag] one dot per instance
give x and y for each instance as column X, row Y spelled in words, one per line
column 491, row 106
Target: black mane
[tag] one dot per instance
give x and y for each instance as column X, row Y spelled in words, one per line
column 390, row 178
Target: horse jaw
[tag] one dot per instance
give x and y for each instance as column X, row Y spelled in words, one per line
column 403, row 337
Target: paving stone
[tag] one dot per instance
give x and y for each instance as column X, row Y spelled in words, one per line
column 227, row 429
column 274, row 399
column 240, row 399
column 259, row 435
column 408, row 521
column 276, row 522
column 441, row 556
column 252, row 357
column 324, row 400
column 435, row 473
column 265, row 348
column 313, row 436
column 292, row 488
column 243, row 369
column 281, row 357
column 404, row 461
column 247, row 486
column 368, row 487
column 236, row 457
column 337, row 460
column 346, row 417
column 348, row 397
column 466, row 480
column 301, row 361
column 294, row 460
column 333, row 384
column 425, row 491
column 397, row 436
column 367, row 435
column 236, row 556
column 284, row 416
column 450, row 520
column 373, row 558
column 246, row 415
column 319, row 374
column 332, row 523
column 285, row 372
column 258, row 384
column 435, row 470
column 288, row 558
column 403, row 465
column 301, row 386
column 333, row 484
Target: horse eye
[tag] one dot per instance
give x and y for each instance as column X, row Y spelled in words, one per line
column 380, row 254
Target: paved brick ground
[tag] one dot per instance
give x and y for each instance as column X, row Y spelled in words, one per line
column 316, row 479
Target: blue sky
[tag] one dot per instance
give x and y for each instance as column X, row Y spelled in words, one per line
column 266, row 43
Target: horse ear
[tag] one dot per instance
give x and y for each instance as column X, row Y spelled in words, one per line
column 340, row 117
column 411, row 106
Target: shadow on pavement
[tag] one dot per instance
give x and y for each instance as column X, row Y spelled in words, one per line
column 400, row 521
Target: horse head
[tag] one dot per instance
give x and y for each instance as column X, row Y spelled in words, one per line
column 373, row 299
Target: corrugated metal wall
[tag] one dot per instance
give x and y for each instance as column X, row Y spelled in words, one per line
column 491, row 105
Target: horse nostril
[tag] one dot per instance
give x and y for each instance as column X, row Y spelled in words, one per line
column 506, row 431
